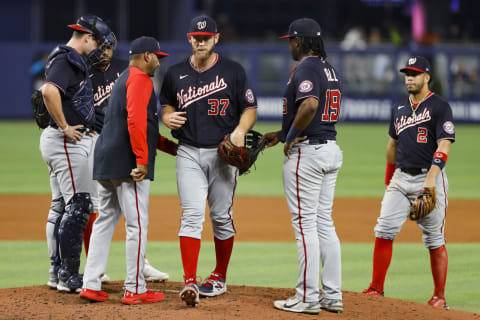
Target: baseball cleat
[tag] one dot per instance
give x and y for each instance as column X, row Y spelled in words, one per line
column 72, row 285
column 190, row 294
column 146, row 297
column 52, row 281
column 213, row 286
column 438, row 303
column 93, row 295
column 152, row 274
column 373, row 292
column 293, row 304
column 331, row 305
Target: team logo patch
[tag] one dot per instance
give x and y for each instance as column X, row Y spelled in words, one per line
column 249, row 95
column 448, row 127
column 305, row 86
column 202, row 24
column 412, row 61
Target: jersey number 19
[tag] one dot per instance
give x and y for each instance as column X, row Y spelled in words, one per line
column 332, row 105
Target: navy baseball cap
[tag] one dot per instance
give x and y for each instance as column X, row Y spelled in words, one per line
column 202, row 26
column 146, row 44
column 304, row 27
column 418, row 64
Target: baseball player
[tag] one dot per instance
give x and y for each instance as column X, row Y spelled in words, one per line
column 311, row 107
column 104, row 71
column 421, row 132
column 65, row 146
column 124, row 165
column 204, row 98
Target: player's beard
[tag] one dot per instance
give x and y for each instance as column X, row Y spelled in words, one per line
column 415, row 89
column 203, row 55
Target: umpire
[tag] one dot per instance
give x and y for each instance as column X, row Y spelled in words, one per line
column 65, row 145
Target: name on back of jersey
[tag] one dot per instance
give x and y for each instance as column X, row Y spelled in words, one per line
column 330, row 74
column 193, row 93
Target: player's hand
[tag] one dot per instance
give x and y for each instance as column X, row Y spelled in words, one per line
column 71, row 132
column 174, row 120
column 271, row 137
column 237, row 137
column 289, row 145
column 139, row 173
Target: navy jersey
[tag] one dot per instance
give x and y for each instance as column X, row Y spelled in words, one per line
column 213, row 99
column 102, row 83
column 313, row 77
column 417, row 131
column 67, row 78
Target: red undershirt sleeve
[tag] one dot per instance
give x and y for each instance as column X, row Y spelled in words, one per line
column 139, row 90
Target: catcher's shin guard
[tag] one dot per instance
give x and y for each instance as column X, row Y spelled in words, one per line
column 70, row 234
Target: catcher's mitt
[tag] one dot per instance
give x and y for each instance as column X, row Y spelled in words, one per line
column 242, row 157
column 423, row 205
column 40, row 112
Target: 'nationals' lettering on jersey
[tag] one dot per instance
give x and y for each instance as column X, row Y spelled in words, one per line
column 103, row 92
column 194, row 94
column 411, row 121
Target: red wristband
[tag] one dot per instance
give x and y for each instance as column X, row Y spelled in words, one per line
column 389, row 172
column 439, row 159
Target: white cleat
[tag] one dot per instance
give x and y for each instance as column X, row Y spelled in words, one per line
column 152, row 274
column 293, row 304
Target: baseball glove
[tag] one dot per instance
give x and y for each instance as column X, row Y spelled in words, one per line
column 242, row 157
column 423, row 205
column 40, row 112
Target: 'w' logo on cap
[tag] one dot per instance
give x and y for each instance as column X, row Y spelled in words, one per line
column 202, row 24
column 412, row 60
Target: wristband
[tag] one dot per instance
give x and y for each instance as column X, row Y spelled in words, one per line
column 439, row 159
column 292, row 134
column 63, row 130
column 390, row 169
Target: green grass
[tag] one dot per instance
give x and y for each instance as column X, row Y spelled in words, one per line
column 24, row 172
column 275, row 265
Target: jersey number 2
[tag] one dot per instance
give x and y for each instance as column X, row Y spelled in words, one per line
column 214, row 106
column 332, row 105
column 422, row 135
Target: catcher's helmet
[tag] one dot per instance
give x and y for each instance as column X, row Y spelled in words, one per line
column 102, row 33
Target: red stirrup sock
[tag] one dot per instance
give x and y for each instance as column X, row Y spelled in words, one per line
column 88, row 232
column 382, row 255
column 190, row 249
column 223, row 251
column 439, row 264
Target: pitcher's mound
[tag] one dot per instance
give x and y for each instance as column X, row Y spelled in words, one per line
column 240, row 302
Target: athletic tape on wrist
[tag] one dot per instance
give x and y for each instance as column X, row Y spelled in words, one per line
column 439, row 159
column 292, row 134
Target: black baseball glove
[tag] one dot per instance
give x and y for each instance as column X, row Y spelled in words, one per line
column 40, row 112
column 242, row 157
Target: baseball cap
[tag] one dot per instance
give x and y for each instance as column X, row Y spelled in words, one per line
column 202, row 26
column 304, row 27
column 417, row 63
column 146, row 44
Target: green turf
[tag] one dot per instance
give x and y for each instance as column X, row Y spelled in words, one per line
column 275, row 265
column 24, row 172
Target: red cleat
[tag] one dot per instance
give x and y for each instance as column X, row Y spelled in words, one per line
column 146, row 297
column 373, row 292
column 93, row 295
column 437, row 302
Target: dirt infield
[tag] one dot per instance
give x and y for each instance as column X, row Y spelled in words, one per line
column 256, row 219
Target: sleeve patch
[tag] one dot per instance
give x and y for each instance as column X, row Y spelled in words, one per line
column 448, row 127
column 249, row 96
column 305, row 86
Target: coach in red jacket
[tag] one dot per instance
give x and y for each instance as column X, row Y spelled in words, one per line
column 124, row 166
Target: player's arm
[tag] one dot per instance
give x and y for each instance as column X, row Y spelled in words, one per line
column 306, row 111
column 391, row 156
column 173, row 119
column 53, row 102
column 438, row 162
column 247, row 121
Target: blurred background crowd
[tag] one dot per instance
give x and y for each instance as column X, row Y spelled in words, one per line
column 367, row 40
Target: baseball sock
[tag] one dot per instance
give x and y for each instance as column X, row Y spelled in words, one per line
column 382, row 255
column 190, row 249
column 88, row 232
column 223, row 251
column 439, row 264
